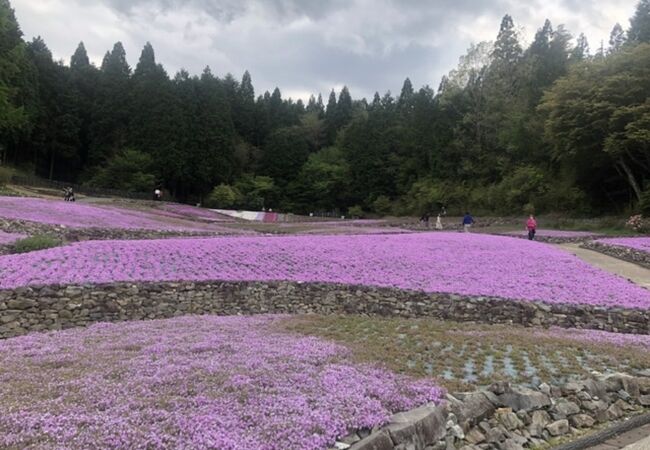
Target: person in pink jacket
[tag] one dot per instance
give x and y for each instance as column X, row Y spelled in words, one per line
column 531, row 226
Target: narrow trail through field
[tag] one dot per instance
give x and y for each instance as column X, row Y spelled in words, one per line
column 632, row 272
column 637, row 439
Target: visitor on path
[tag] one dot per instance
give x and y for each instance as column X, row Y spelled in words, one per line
column 157, row 194
column 438, row 223
column 424, row 220
column 468, row 221
column 531, row 226
column 68, row 194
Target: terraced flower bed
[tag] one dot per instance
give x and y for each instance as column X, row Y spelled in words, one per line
column 637, row 243
column 631, row 249
column 467, row 264
column 555, row 236
column 192, row 382
column 464, row 357
column 80, row 215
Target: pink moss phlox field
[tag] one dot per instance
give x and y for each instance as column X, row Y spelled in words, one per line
column 194, row 212
column 460, row 263
column 636, row 243
column 80, row 215
column 601, row 337
column 571, row 334
column 192, row 383
column 556, row 233
column 9, row 238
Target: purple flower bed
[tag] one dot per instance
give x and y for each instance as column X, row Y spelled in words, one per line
column 555, row 233
column 9, row 238
column 469, row 264
column 574, row 334
column 79, row 215
column 600, row 337
column 194, row 212
column 636, row 243
column 193, row 382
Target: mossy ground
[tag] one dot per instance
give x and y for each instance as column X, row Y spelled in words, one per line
column 465, row 356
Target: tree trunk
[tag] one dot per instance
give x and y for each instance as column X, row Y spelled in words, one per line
column 630, row 178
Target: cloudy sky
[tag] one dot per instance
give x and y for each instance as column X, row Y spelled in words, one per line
column 306, row 46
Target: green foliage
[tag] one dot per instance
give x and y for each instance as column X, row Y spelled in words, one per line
column 256, row 192
column 223, row 197
column 129, row 170
column 5, row 175
column 598, row 117
column 382, row 205
column 644, row 203
column 511, row 129
column 34, row 243
column 356, row 212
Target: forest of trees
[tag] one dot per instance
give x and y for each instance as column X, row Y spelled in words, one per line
column 553, row 127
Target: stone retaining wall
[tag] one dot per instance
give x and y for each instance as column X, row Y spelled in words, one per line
column 625, row 253
column 505, row 417
column 57, row 307
column 81, row 234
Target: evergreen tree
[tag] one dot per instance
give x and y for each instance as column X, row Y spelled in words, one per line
column 55, row 136
column 639, row 31
column 79, row 60
column 581, row 50
column 84, row 78
column 616, row 38
column 405, row 101
column 507, row 50
column 244, row 108
column 17, row 84
column 110, row 116
column 330, row 118
column 343, row 112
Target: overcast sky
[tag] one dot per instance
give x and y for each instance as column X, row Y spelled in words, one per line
column 306, row 46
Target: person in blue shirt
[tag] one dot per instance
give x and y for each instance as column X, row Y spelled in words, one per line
column 468, row 221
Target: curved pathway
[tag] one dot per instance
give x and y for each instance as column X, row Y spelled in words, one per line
column 637, row 439
column 632, row 272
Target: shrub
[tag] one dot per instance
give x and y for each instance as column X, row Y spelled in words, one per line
column 129, row 170
column 37, row 242
column 5, row 175
column 639, row 223
column 223, row 196
column 382, row 205
column 355, row 212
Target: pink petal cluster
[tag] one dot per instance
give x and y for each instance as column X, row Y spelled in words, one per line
column 636, row 243
column 80, row 215
column 193, row 383
column 460, row 263
column 9, row 238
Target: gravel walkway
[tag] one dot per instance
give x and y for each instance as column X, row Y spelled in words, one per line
column 632, row 272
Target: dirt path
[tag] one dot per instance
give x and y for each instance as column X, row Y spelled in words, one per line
column 636, row 439
column 632, row 272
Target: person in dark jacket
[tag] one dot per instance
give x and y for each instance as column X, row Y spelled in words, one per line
column 468, row 221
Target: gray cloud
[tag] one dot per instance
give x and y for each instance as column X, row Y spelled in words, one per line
column 306, row 46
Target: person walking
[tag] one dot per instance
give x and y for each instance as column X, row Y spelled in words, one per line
column 468, row 221
column 531, row 226
column 424, row 220
column 438, row 223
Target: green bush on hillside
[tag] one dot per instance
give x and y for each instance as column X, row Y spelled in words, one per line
column 5, row 175
column 37, row 242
